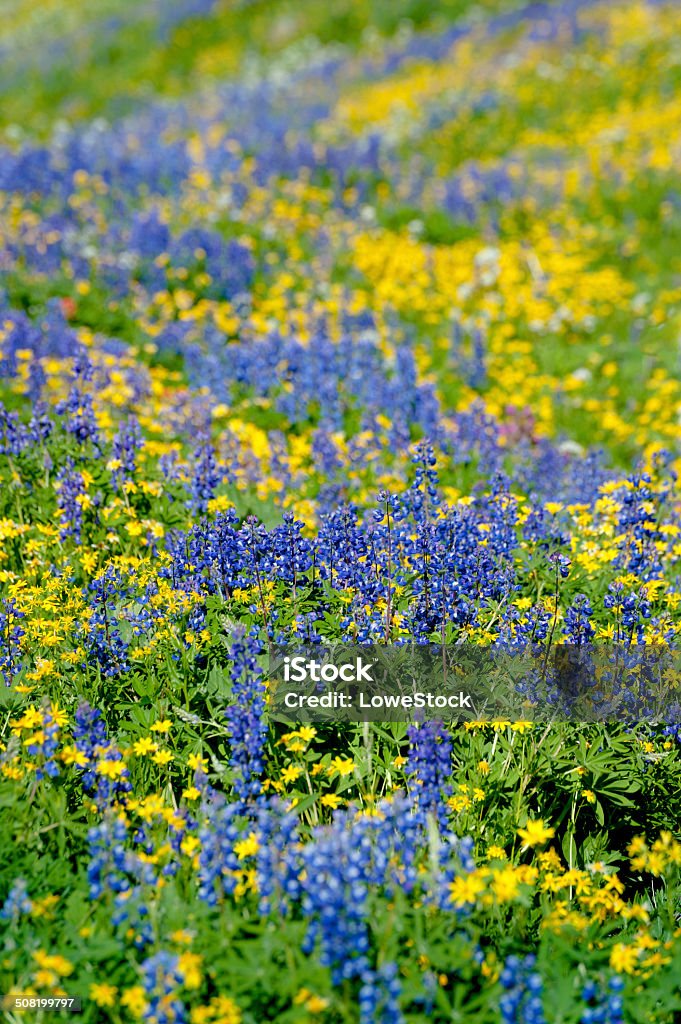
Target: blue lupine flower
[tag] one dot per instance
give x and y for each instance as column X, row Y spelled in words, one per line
column 17, row 903
column 429, row 768
column 245, row 717
column 11, row 634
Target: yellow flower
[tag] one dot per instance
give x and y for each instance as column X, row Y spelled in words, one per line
column 624, row 958
column 316, row 1004
column 505, row 884
column 111, row 769
column 222, row 502
column 459, row 803
column 331, row 800
column 342, row 766
column 144, row 746
column 637, row 845
column 30, row 718
column 195, row 761
column 45, row 979
column 44, row 907
column 247, row 847
column 466, row 889
column 189, row 845
column 220, row 1010
column 59, row 716
column 495, row 852
column 202, row 1015
column 103, row 994
column 311, row 1002
column 163, row 726
column 291, row 773
column 550, row 861
column 134, row 1000
column 71, row 755
column 189, row 965
column 162, row 757
column 536, row 833
column 52, row 962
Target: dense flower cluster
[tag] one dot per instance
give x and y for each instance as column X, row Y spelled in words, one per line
column 319, row 344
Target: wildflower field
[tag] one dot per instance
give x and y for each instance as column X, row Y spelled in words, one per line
column 325, row 323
